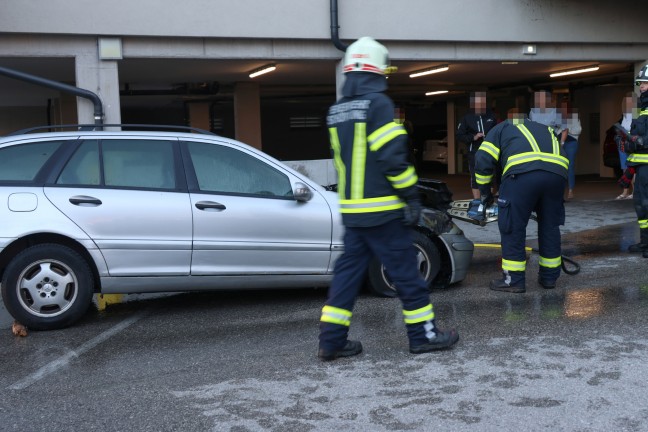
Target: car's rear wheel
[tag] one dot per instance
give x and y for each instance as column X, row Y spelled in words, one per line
column 428, row 261
column 47, row 287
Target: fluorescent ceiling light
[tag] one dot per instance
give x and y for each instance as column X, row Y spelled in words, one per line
column 433, row 70
column 590, row 68
column 438, row 92
column 263, row 70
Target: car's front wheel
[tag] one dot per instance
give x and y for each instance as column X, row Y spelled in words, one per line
column 47, row 287
column 428, row 261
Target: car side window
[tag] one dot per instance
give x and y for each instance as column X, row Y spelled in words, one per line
column 83, row 166
column 23, row 162
column 227, row 170
column 138, row 163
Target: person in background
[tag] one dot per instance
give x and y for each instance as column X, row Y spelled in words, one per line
column 570, row 130
column 472, row 129
column 628, row 107
column 544, row 111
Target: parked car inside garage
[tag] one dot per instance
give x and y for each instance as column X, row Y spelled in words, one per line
column 89, row 212
column 435, row 149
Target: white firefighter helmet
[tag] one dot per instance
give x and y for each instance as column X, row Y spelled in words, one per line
column 366, row 55
column 643, row 75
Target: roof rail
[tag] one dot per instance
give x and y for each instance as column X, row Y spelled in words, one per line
column 92, row 127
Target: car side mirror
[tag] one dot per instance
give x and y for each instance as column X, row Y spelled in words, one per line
column 302, row 193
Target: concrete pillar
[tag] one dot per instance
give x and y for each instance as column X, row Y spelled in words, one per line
column 102, row 78
column 247, row 114
column 199, row 115
column 452, row 141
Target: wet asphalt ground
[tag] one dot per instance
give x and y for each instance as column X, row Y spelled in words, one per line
column 573, row 358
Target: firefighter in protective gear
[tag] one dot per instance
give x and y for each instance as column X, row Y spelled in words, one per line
column 637, row 149
column 534, row 172
column 379, row 203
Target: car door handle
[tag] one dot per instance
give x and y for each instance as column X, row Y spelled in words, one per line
column 209, row 205
column 84, row 199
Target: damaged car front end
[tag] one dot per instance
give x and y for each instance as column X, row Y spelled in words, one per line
column 443, row 251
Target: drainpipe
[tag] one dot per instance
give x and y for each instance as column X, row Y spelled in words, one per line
column 335, row 37
column 87, row 94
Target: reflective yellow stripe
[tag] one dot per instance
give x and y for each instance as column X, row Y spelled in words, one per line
column 549, row 262
column 337, row 160
column 529, row 137
column 638, row 158
column 405, row 179
column 554, row 141
column 358, row 160
column 491, row 149
column 482, row 179
column 419, row 315
column 513, row 265
column 536, row 154
column 369, row 205
column 533, row 156
column 643, row 112
column 335, row 315
column 383, row 135
column 643, row 223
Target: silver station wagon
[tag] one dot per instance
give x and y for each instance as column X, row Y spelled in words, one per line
column 87, row 212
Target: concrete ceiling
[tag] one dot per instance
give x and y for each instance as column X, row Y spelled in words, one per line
column 301, row 78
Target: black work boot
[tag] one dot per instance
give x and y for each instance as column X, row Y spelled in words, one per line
column 546, row 284
column 645, row 253
column 351, row 348
column 639, row 247
column 444, row 339
column 502, row 285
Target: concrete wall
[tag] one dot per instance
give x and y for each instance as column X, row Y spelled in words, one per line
column 457, row 20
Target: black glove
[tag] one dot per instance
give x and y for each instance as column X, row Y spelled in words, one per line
column 487, row 199
column 413, row 211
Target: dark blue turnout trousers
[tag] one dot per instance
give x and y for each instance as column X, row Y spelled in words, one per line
column 392, row 244
column 521, row 194
column 640, row 196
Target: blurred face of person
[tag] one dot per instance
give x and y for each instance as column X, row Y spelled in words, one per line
column 515, row 116
column 542, row 100
column 643, row 86
column 628, row 104
column 478, row 102
column 564, row 109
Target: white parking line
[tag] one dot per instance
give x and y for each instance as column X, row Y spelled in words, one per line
column 55, row 365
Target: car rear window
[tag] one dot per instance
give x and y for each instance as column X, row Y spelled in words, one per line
column 23, row 162
column 138, row 163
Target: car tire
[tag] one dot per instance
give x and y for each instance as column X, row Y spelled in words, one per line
column 427, row 257
column 47, row 286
